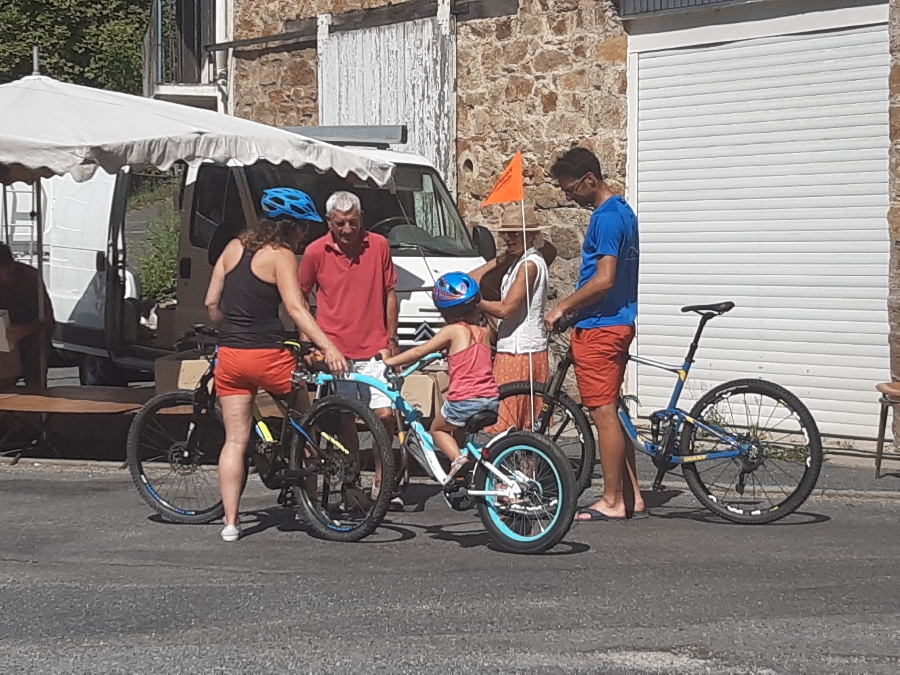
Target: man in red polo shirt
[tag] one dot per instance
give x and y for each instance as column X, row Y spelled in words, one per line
column 354, row 278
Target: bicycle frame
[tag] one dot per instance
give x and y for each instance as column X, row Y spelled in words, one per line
column 677, row 416
column 260, row 428
column 414, row 417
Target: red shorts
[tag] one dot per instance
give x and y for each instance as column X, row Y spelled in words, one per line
column 600, row 358
column 245, row 371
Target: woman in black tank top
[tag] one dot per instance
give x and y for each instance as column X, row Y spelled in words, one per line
column 250, row 306
column 255, row 274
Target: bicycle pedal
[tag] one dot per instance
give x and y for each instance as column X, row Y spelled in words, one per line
column 287, row 498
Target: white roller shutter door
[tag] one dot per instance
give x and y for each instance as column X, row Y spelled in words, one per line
column 762, row 178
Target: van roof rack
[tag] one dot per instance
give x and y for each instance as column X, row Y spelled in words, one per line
column 373, row 136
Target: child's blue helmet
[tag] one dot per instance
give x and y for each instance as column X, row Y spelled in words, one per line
column 290, row 202
column 454, row 289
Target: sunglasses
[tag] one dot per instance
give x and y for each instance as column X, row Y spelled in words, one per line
column 570, row 191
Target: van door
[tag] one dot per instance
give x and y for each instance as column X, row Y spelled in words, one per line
column 213, row 217
column 114, row 271
column 77, row 231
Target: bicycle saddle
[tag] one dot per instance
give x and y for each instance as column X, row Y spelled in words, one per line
column 718, row 308
column 480, row 420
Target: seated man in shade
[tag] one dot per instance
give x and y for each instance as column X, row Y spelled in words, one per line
column 19, row 296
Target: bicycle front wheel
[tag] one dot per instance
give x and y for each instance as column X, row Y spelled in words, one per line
column 568, row 426
column 782, row 466
column 173, row 454
column 539, row 517
column 334, row 499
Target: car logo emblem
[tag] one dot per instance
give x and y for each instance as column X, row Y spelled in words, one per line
column 423, row 333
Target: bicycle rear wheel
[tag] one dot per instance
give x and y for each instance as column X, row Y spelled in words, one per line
column 334, row 500
column 542, row 514
column 173, row 454
column 568, row 427
column 780, row 471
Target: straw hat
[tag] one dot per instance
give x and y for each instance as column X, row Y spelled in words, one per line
column 511, row 220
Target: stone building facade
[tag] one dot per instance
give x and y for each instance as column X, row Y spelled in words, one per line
column 549, row 77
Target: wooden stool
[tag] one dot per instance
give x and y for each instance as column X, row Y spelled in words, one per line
column 890, row 397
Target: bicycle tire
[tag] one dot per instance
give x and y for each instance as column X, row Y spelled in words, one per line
column 316, row 517
column 807, row 429
column 150, row 423
column 503, row 523
column 583, row 459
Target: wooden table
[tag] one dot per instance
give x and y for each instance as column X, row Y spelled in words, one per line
column 19, row 404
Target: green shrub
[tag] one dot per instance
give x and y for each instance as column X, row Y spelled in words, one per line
column 157, row 257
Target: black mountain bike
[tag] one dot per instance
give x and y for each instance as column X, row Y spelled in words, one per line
column 312, row 458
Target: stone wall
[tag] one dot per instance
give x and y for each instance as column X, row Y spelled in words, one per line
column 894, row 213
column 549, row 78
column 279, row 84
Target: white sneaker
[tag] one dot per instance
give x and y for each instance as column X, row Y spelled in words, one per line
column 231, row 533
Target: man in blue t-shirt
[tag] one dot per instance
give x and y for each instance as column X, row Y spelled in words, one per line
column 605, row 304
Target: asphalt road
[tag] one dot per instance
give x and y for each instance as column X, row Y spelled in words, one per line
column 89, row 582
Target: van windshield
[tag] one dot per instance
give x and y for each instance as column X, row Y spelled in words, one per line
column 419, row 218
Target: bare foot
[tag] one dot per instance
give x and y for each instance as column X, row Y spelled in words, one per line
column 604, row 508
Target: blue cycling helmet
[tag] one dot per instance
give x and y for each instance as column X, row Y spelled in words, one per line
column 282, row 201
column 454, row 289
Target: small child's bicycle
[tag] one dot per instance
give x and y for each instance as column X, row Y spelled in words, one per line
column 522, row 483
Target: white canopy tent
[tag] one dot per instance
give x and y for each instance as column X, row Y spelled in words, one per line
column 53, row 128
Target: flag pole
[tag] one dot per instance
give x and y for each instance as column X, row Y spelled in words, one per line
column 527, row 313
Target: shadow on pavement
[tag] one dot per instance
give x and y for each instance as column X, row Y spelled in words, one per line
column 701, row 515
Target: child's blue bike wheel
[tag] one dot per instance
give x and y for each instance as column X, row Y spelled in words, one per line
column 542, row 514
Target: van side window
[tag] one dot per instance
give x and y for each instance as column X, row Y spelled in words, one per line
column 218, row 216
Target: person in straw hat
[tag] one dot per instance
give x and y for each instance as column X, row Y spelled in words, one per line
column 521, row 334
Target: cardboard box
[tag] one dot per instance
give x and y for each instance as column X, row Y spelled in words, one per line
column 179, row 371
column 165, row 326
column 5, row 345
column 426, row 391
column 10, row 368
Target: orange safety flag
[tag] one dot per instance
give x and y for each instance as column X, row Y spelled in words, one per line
column 511, row 185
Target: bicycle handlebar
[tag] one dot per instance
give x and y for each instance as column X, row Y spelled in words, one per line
column 198, row 331
column 394, row 377
column 565, row 323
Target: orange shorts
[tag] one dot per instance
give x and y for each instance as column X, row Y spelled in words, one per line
column 245, row 371
column 600, row 358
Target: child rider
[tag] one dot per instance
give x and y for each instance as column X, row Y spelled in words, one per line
column 472, row 386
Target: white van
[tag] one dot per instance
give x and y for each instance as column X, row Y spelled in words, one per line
column 107, row 324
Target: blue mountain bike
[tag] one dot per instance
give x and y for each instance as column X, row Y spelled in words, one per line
column 749, row 449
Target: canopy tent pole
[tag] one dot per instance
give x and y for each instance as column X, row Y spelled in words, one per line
column 5, row 216
column 528, row 305
column 39, row 220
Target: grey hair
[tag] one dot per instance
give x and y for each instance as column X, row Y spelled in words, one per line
column 342, row 201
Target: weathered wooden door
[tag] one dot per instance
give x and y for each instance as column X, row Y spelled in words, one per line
column 402, row 73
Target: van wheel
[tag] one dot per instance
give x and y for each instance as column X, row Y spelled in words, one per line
column 96, row 371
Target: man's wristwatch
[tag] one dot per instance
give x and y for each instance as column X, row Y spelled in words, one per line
column 395, row 340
